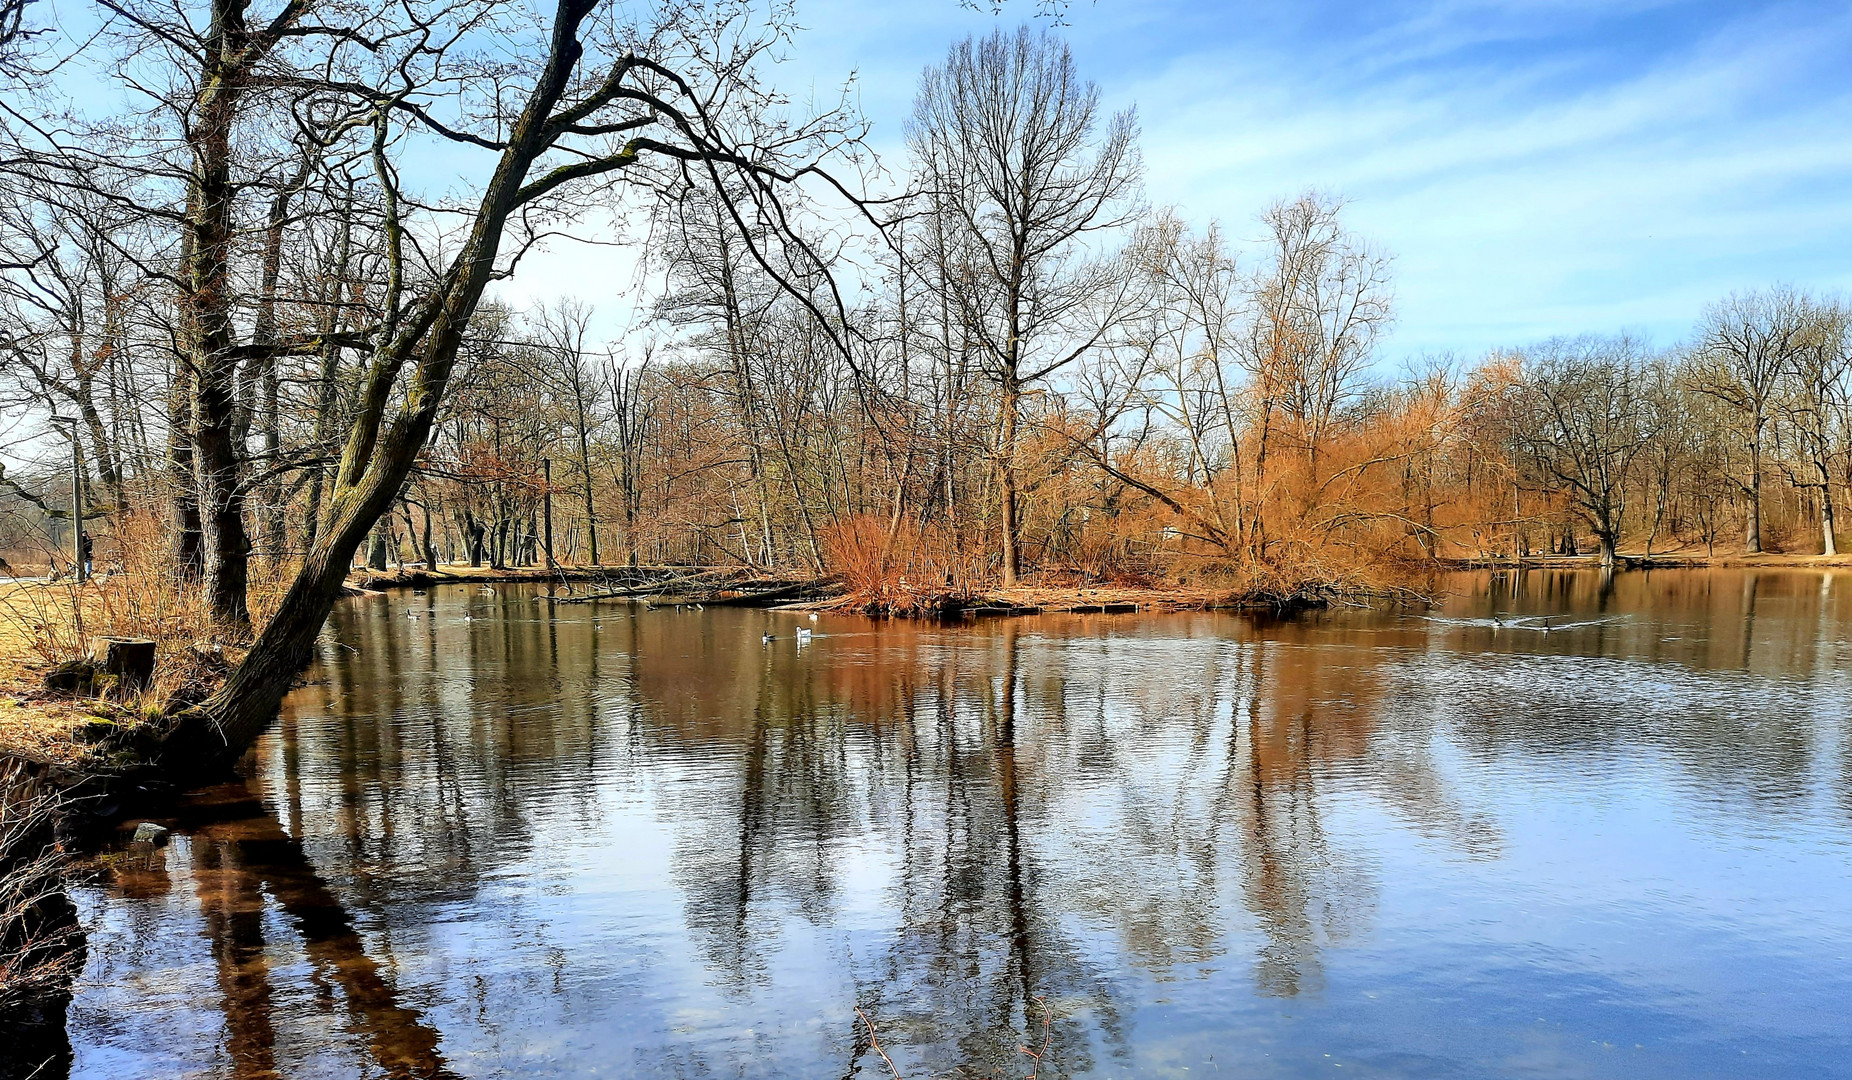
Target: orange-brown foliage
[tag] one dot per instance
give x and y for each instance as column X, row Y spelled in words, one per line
column 909, row 570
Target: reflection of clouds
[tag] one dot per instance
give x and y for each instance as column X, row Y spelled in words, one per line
column 1153, row 785
column 1567, row 706
column 658, row 842
column 266, row 914
column 1780, row 624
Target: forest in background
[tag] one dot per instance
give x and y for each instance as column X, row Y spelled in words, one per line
column 250, row 254
column 1009, row 365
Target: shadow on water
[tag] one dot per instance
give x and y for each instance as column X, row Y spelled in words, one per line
column 243, row 861
column 511, row 838
column 252, row 879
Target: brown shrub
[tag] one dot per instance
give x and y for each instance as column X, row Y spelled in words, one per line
column 909, row 570
column 41, row 942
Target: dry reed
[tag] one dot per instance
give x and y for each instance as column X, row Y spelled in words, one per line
column 40, row 937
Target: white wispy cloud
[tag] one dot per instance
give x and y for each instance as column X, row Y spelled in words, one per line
column 1537, row 166
column 1520, row 201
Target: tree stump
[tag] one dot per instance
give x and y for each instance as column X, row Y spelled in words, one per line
column 130, row 660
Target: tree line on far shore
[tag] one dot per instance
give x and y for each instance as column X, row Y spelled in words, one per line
column 1011, row 366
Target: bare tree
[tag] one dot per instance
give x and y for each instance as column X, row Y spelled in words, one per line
column 14, row 33
column 1745, row 344
column 633, row 415
column 1816, row 388
column 1672, row 449
column 64, row 308
column 596, row 98
column 1011, row 148
column 577, row 379
column 1319, row 304
column 1590, row 420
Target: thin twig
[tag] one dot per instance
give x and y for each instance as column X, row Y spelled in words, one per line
column 876, row 1041
column 1048, row 1018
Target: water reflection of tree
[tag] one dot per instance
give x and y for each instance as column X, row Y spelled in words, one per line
column 434, row 736
column 431, row 753
column 1218, row 798
column 979, row 941
column 1028, row 792
column 1048, row 803
column 241, row 854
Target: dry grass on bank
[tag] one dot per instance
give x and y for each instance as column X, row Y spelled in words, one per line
column 135, row 593
column 46, row 624
column 904, row 571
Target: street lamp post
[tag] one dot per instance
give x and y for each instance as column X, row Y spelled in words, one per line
column 77, row 496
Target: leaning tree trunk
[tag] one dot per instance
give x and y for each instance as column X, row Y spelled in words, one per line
column 209, row 738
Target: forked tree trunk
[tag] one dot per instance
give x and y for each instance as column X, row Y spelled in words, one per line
column 206, row 740
column 206, row 301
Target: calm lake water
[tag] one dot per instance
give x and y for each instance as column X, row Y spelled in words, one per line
column 512, row 838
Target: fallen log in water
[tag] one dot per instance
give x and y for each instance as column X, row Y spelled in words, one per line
column 749, row 593
column 767, row 596
column 649, row 589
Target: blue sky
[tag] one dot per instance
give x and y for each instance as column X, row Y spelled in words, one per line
column 1537, row 167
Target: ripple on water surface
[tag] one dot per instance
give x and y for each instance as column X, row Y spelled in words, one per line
column 1559, row 828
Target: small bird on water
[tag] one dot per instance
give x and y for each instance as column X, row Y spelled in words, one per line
column 767, row 639
column 803, row 634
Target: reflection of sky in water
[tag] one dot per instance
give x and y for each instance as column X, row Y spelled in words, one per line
column 630, row 843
